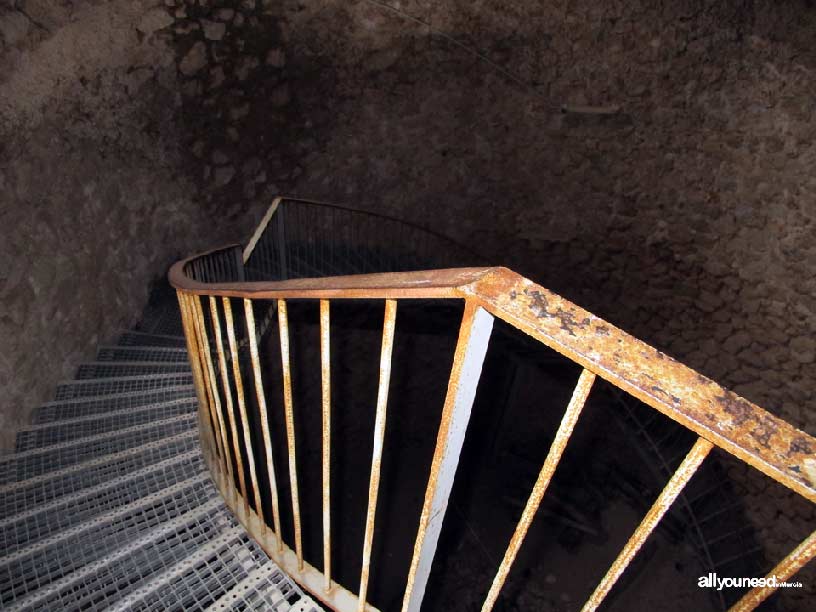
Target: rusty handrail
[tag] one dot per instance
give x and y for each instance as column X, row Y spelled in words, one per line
column 718, row 416
column 731, row 422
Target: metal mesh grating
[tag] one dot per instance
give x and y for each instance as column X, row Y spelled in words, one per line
column 52, row 558
column 209, row 578
column 109, row 386
column 142, row 353
column 103, row 581
column 103, row 369
column 90, row 406
column 39, row 461
column 63, row 431
column 134, row 338
column 19, row 496
column 38, row 522
column 266, row 588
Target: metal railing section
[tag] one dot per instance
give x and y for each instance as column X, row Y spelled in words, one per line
column 210, row 286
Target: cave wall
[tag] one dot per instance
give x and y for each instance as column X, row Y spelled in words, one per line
column 99, row 192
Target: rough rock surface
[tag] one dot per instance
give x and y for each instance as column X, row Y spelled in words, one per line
column 95, row 198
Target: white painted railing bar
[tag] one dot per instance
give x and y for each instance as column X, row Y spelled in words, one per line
column 325, row 380
column 469, row 355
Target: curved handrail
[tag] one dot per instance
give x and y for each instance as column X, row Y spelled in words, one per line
column 718, row 416
column 768, row 443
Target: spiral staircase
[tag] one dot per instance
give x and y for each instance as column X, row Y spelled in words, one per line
column 109, row 503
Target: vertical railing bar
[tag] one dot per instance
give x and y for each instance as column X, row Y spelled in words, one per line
column 193, row 356
column 215, row 405
column 562, row 436
column 222, row 363
column 238, row 264
column 796, row 560
column 267, row 439
column 379, row 436
column 281, row 232
column 283, row 326
column 239, row 393
column 325, row 363
column 673, row 488
column 471, row 348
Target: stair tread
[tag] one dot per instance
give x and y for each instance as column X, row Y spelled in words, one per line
column 55, row 456
column 72, row 389
column 138, row 339
column 56, row 411
column 109, row 369
column 133, row 556
column 35, row 522
column 16, row 496
column 53, row 432
column 265, row 587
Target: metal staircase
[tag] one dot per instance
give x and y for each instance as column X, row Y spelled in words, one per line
column 106, row 502
column 114, row 499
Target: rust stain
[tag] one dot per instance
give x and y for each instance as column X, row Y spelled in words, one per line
column 801, row 444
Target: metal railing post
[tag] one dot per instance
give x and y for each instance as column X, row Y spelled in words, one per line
column 474, row 334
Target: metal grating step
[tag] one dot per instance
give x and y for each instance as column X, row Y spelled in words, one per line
column 108, row 386
column 37, row 522
column 102, row 582
column 55, row 557
column 48, row 434
column 90, row 406
column 193, row 581
column 265, row 588
column 20, row 496
column 136, row 338
column 210, row 576
column 20, row 466
column 142, row 353
column 105, row 369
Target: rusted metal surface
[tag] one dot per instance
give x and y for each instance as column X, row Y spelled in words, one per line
column 664, row 501
column 784, row 570
column 562, row 436
column 731, row 422
column 398, row 285
column 211, row 385
column 471, row 347
column 283, row 327
column 260, row 396
column 206, row 425
column 228, row 406
column 718, row 416
column 379, row 436
column 242, row 413
column 325, row 380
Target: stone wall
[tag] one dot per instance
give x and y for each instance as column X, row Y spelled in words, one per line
column 97, row 197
